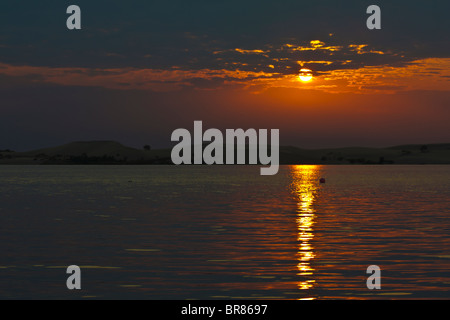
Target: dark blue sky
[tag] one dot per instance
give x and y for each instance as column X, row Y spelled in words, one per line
column 161, row 34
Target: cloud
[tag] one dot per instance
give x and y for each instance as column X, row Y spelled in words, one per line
column 257, row 51
column 313, row 46
column 415, row 75
column 285, row 58
column 425, row 74
column 127, row 78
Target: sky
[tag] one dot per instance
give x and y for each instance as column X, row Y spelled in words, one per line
column 138, row 70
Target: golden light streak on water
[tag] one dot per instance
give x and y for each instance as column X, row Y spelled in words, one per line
column 305, row 179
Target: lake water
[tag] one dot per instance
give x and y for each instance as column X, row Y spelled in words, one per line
column 224, row 232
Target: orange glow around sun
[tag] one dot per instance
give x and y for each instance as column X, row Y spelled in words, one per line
column 305, row 75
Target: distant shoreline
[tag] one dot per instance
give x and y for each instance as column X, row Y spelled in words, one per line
column 114, row 153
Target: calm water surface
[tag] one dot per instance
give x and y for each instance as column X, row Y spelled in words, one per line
column 222, row 232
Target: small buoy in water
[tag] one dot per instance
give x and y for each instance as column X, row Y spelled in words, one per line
column 322, row 180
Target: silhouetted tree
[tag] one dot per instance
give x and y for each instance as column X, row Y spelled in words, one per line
column 147, row 147
column 424, row 148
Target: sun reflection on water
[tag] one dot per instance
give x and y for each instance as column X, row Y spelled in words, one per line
column 304, row 187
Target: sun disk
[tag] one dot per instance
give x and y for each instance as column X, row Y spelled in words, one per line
column 305, row 75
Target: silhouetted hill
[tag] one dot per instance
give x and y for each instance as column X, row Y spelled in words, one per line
column 111, row 152
column 88, row 152
column 408, row 154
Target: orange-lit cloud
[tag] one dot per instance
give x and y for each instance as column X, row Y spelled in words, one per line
column 313, row 46
column 425, row 74
column 257, row 51
column 301, row 63
column 126, row 78
column 316, row 45
column 362, row 49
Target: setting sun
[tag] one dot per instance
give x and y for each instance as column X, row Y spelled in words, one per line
column 305, row 75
